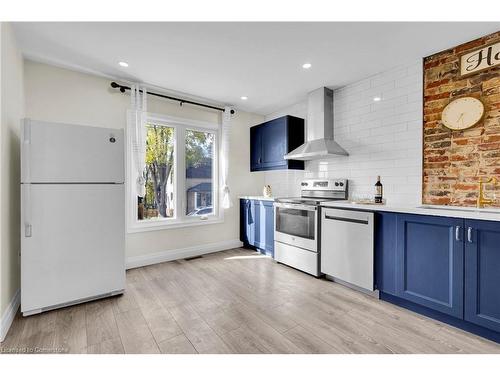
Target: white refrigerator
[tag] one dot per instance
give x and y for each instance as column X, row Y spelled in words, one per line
column 72, row 214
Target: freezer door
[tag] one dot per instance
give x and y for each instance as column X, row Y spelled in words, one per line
column 72, row 243
column 63, row 153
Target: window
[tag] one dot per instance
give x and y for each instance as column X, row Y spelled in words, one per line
column 158, row 173
column 175, row 198
column 199, row 176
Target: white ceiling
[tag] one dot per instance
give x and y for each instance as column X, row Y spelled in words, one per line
column 224, row 61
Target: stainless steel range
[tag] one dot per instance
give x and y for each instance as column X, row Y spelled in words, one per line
column 297, row 222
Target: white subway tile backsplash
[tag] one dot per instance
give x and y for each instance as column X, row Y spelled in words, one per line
column 415, row 96
column 390, row 75
column 396, row 128
column 413, row 112
column 415, row 68
column 383, row 138
column 395, row 93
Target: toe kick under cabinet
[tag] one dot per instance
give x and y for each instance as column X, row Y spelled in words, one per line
column 442, row 267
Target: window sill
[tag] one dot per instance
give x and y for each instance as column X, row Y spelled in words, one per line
column 164, row 225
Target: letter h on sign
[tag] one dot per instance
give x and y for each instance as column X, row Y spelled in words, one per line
column 479, row 60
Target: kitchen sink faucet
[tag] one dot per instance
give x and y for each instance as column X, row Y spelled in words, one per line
column 481, row 200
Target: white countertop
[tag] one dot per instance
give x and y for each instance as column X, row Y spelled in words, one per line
column 257, row 198
column 459, row 212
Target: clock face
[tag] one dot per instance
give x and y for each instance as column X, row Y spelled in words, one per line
column 462, row 113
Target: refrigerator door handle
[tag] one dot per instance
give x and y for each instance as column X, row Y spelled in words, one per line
column 27, row 210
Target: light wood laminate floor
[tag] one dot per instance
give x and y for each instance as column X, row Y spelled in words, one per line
column 236, row 301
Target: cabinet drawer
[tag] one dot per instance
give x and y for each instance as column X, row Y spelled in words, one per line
column 296, row 257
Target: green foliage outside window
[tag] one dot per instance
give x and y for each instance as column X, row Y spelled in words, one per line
column 159, row 169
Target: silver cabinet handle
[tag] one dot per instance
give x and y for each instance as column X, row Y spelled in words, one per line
column 457, row 233
column 469, row 234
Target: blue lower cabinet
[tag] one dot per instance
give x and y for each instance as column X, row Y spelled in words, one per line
column 257, row 225
column 247, row 222
column 442, row 267
column 430, row 262
column 264, row 229
column 482, row 273
column 385, row 252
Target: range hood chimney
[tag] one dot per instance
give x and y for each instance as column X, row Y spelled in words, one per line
column 320, row 141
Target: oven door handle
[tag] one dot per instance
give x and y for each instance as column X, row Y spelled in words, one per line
column 295, row 206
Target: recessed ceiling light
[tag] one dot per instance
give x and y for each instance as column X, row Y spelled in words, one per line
column 377, row 99
column 123, row 63
column 244, row 97
column 306, row 65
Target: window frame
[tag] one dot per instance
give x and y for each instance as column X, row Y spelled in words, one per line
column 180, row 219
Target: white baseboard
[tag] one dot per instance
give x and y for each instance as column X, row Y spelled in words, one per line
column 187, row 252
column 9, row 315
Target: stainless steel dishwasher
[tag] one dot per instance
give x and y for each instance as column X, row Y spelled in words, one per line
column 347, row 248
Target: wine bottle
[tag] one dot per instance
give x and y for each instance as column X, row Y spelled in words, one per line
column 378, row 191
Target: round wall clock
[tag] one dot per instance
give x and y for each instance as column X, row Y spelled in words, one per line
column 462, row 113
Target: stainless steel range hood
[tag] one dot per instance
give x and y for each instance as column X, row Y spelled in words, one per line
column 320, row 141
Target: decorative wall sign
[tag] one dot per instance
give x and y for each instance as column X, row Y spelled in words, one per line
column 480, row 59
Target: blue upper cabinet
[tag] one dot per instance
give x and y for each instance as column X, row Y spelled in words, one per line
column 482, row 273
column 430, row 257
column 255, row 147
column 273, row 144
column 272, row 140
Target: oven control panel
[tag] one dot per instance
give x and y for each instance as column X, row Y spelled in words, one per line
column 325, row 184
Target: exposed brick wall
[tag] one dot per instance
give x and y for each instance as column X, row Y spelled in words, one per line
column 454, row 161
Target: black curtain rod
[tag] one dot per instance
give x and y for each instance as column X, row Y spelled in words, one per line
column 181, row 101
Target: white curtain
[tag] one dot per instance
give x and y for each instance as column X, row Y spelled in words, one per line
column 226, row 129
column 137, row 128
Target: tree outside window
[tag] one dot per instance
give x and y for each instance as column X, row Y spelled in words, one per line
column 159, row 171
column 160, row 201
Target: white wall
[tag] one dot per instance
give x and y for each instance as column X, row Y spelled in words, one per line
column 56, row 94
column 383, row 138
column 12, row 110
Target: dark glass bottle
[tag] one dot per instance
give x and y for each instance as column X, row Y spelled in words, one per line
column 378, row 191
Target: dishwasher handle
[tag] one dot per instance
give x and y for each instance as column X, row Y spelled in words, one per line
column 347, row 219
